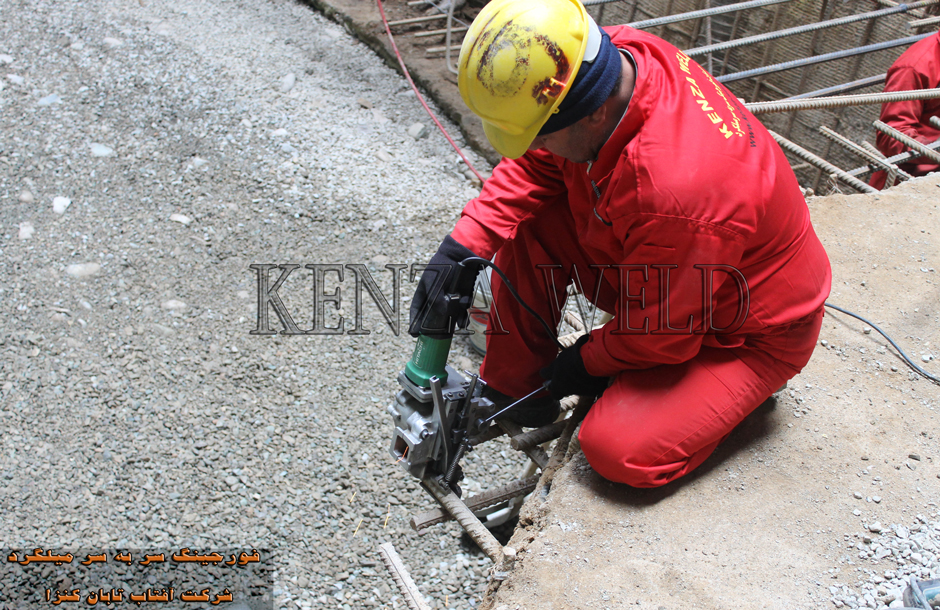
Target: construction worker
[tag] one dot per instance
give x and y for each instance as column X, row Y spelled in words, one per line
column 916, row 68
column 629, row 169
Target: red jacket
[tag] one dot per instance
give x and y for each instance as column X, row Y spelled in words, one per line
column 916, row 68
column 688, row 177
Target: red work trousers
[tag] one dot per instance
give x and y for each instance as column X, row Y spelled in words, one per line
column 651, row 425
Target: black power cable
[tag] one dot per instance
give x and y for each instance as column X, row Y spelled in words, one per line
column 904, row 356
column 512, row 289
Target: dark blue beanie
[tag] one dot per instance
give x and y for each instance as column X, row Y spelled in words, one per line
column 591, row 88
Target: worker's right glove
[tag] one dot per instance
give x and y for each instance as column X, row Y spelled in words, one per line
column 567, row 376
column 439, row 304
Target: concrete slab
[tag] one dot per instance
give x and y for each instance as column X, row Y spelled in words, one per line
column 768, row 521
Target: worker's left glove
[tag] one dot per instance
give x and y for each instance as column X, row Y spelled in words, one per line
column 440, row 302
column 567, row 376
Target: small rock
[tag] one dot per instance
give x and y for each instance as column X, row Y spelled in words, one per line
column 6, row 59
column 364, row 102
column 914, row 456
column 173, row 304
column 857, row 512
column 824, row 343
column 166, row 331
column 858, row 495
column 26, row 230
column 383, row 156
column 378, row 117
column 279, row 133
column 60, row 204
column 876, row 499
column 288, row 82
column 866, row 330
column 113, row 42
column 926, row 357
column 49, row 100
column 100, row 150
column 418, row 131
column 26, row 196
column 181, row 218
column 15, row 79
column 876, row 527
column 83, row 269
column 199, row 162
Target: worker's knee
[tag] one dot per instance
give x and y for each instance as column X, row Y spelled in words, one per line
column 624, row 457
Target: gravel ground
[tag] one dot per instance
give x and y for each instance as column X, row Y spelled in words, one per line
column 150, row 151
column 915, row 551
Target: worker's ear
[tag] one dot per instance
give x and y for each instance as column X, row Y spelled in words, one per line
column 597, row 118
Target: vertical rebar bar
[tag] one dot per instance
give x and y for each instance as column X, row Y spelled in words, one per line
column 805, row 72
column 866, row 36
column 768, row 53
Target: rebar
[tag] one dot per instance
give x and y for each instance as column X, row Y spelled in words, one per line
column 396, row 567
column 934, row 121
column 908, row 141
column 536, row 453
column 523, row 441
column 843, row 88
column 478, row 502
column 822, row 164
column 429, row 33
column 414, row 20
column 895, row 159
column 925, row 21
column 818, row 59
column 842, row 100
column 892, row 176
column 708, row 12
column 917, row 13
column 467, row 520
column 866, row 155
column 802, row 29
column 487, row 435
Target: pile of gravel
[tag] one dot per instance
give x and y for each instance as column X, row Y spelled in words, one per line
column 150, row 151
column 911, row 551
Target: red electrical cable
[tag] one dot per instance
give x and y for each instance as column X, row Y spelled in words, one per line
column 404, row 69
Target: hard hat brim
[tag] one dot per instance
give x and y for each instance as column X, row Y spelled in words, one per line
column 511, row 146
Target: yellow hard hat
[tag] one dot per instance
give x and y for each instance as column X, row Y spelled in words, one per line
column 518, row 61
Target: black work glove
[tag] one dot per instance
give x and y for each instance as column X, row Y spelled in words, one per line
column 567, row 376
column 433, row 313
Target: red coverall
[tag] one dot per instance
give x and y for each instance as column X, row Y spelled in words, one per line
column 688, row 178
column 916, row 68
